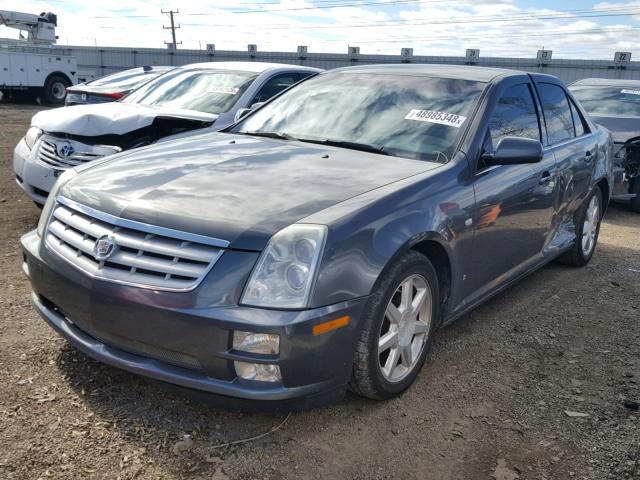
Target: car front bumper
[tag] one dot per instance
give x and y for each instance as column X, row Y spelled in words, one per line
column 185, row 339
column 34, row 178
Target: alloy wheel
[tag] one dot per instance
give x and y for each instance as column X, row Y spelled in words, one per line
column 590, row 226
column 405, row 328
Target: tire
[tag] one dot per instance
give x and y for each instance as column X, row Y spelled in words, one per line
column 370, row 378
column 55, row 90
column 634, row 187
column 581, row 253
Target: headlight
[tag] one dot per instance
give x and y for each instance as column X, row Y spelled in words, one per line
column 51, row 199
column 32, row 136
column 284, row 274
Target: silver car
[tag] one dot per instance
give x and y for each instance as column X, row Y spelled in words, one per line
column 196, row 98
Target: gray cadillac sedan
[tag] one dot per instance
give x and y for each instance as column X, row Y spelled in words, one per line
column 320, row 242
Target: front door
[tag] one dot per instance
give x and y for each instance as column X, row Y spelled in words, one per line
column 514, row 203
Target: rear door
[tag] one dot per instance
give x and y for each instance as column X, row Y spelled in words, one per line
column 574, row 146
column 514, row 203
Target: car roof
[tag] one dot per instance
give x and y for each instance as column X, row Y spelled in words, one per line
column 257, row 67
column 462, row 72
column 607, row 82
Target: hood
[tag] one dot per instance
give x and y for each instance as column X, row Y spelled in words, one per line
column 113, row 118
column 236, row 188
column 622, row 128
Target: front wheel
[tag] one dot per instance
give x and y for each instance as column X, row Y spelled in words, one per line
column 587, row 231
column 399, row 323
column 55, row 90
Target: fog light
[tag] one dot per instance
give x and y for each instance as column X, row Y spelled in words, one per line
column 264, row 343
column 262, row 372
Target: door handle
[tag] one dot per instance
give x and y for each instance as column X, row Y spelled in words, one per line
column 588, row 156
column 546, row 177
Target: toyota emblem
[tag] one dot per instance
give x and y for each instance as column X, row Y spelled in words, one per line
column 65, row 150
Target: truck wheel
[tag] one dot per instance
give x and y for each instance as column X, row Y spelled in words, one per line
column 55, row 90
column 588, row 220
column 634, row 187
column 399, row 323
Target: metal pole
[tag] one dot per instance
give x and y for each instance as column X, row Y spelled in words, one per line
column 173, row 28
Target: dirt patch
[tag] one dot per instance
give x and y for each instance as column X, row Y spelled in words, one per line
column 491, row 402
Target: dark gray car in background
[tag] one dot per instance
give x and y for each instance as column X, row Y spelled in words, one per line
column 615, row 104
column 321, row 241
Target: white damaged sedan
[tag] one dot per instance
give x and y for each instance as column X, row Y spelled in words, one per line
column 192, row 99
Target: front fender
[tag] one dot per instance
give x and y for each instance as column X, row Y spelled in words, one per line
column 368, row 232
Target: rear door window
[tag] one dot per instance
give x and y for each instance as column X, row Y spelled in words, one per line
column 515, row 115
column 578, row 122
column 557, row 113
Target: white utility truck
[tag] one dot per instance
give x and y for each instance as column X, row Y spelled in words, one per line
column 33, row 66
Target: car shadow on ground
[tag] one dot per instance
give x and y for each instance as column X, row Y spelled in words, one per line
column 619, row 214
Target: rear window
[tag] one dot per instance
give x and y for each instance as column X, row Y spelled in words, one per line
column 127, row 79
column 609, row 100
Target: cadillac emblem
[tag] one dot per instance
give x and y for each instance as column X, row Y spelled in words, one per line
column 104, row 247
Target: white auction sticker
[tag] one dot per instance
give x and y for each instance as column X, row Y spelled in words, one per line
column 227, row 90
column 631, row 92
column 431, row 116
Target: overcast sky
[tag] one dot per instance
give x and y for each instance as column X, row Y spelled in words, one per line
column 571, row 28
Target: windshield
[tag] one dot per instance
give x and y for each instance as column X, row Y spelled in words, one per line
column 209, row 91
column 609, row 100
column 411, row 116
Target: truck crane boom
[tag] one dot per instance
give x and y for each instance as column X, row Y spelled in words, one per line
column 41, row 29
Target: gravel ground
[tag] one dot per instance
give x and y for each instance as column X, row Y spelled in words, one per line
column 538, row 383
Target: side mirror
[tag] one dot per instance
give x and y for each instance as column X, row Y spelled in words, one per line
column 241, row 112
column 514, row 151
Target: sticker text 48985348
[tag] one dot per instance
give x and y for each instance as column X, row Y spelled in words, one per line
column 431, row 116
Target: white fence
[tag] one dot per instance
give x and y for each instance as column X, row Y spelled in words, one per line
column 105, row 60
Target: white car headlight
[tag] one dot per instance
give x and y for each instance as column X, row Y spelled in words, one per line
column 32, row 136
column 285, row 272
column 51, row 199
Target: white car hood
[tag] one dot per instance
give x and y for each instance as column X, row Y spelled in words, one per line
column 116, row 118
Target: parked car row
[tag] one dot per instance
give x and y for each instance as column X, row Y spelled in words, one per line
column 282, row 254
column 200, row 97
column 112, row 87
column 615, row 104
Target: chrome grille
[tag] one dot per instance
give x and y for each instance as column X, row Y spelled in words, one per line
column 143, row 255
column 49, row 148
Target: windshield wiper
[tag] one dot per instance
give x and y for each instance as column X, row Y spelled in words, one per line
column 363, row 147
column 280, row 135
